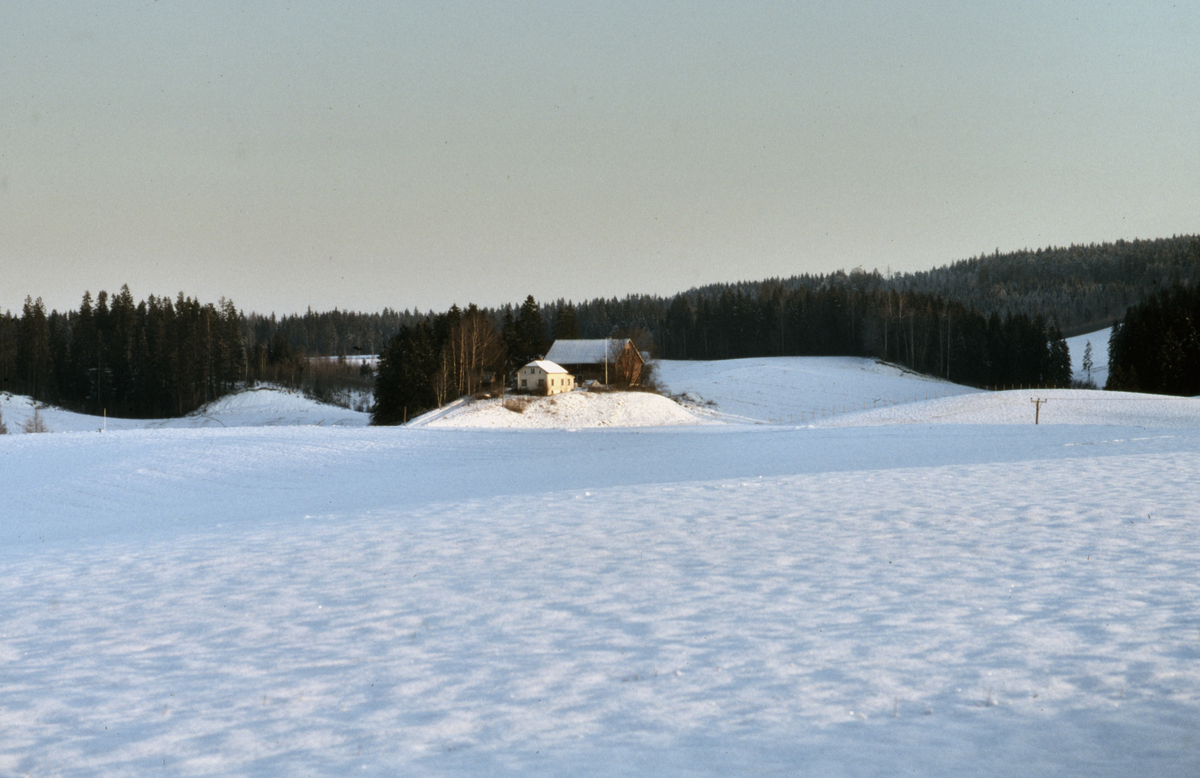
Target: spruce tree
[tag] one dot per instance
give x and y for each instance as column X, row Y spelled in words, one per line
column 530, row 333
column 34, row 366
column 404, row 385
column 1059, row 369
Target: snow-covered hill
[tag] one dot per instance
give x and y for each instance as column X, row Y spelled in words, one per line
column 796, row 389
column 688, row 600
column 263, row 407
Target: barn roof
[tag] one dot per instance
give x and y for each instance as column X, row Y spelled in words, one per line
column 586, row 352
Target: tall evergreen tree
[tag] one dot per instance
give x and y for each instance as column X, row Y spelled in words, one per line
column 1059, row 368
column 404, row 386
column 34, row 367
column 9, row 325
column 530, row 341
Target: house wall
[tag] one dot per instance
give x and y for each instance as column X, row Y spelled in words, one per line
column 528, row 377
column 557, row 383
column 534, row 380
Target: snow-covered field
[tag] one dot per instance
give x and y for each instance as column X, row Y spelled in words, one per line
column 933, row 588
column 1056, row 406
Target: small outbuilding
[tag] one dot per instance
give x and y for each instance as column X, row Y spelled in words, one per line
column 544, row 377
column 608, row 360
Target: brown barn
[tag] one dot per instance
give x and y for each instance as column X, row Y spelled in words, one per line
column 608, row 360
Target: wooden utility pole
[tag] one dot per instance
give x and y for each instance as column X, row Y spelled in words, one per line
column 1037, row 411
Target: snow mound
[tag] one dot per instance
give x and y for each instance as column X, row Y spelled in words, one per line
column 1061, row 406
column 270, row 407
column 572, row 410
column 260, row 407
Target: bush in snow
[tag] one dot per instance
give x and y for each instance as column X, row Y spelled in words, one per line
column 34, row 423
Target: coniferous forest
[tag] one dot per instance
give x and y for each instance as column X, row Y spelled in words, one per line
column 1156, row 346
column 993, row 320
column 156, row 358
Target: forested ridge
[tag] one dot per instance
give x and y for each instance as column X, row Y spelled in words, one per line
column 991, row 320
column 1080, row 288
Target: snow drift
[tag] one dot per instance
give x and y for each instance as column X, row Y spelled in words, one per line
column 570, row 410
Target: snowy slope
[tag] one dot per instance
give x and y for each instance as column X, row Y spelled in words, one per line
column 796, row 389
column 1078, row 345
column 268, row 408
column 252, row 408
column 710, row 599
column 1060, row 406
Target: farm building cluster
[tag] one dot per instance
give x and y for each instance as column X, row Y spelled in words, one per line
column 571, row 363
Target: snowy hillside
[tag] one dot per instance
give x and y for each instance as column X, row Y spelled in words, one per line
column 1078, row 345
column 1060, row 406
column 893, row 597
column 251, row 408
column 796, row 389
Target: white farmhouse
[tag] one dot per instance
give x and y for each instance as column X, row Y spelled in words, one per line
column 543, row 377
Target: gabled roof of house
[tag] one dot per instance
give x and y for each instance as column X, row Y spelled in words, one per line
column 587, row 352
column 548, row 366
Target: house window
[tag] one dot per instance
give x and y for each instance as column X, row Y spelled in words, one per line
column 523, row 383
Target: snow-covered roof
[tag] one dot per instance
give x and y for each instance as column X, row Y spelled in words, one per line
column 548, row 366
column 586, row 352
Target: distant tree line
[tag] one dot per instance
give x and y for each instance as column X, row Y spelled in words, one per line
column 993, row 320
column 161, row 357
column 1155, row 347
column 1080, row 288
column 330, row 333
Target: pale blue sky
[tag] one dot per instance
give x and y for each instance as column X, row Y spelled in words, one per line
column 362, row 155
